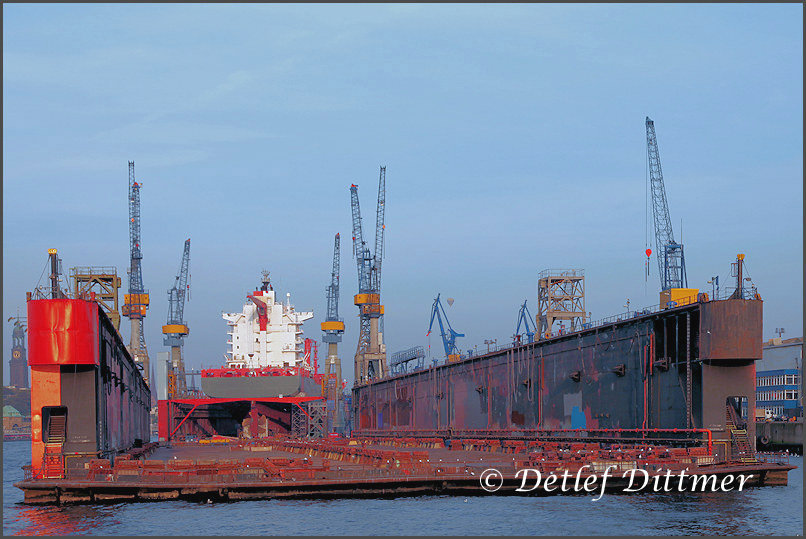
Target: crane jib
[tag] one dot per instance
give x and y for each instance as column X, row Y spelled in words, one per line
column 671, row 261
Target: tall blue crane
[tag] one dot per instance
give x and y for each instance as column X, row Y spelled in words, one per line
column 448, row 339
column 333, row 296
column 671, row 261
column 175, row 330
column 333, row 328
column 136, row 301
column 370, row 356
column 525, row 318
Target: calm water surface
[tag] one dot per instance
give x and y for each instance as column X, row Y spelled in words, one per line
column 755, row 511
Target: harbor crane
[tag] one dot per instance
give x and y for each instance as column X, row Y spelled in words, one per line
column 671, row 261
column 175, row 329
column 333, row 328
column 448, row 339
column 136, row 301
column 370, row 355
column 525, row 318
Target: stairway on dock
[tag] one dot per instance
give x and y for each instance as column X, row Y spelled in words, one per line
column 740, row 443
column 53, row 459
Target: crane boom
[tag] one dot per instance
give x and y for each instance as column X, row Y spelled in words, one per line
column 136, row 272
column 671, row 262
column 379, row 228
column 359, row 246
column 333, row 288
column 176, row 295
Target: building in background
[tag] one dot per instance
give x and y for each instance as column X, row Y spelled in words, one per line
column 778, row 378
column 18, row 365
column 14, row 421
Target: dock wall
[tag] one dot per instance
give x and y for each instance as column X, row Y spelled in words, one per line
column 649, row 371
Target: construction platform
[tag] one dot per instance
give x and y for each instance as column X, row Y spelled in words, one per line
column 221, row 469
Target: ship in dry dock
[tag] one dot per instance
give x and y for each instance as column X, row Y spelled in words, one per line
column 266, row 357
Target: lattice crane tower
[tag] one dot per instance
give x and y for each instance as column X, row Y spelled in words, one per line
column 333, row 328
column 370, row 355
column 136, row 301
column 175, row 330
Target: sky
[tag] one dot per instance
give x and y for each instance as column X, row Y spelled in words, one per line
column 513, row 135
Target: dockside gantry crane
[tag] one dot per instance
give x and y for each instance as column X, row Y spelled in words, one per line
column 333, row 328
column 448, row 338
column 525, row 318
column 671, row 261
column 136, row 301
column 175, row 330
column 370, row 355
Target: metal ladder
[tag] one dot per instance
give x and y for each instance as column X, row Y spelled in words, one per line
column 740, row 443
column 53, row 459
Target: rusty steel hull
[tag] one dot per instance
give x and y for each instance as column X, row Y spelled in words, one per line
column 257, row 387
column 669, row 369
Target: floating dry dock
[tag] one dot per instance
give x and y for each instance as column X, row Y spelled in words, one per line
column 664, row 390
column 282, row 468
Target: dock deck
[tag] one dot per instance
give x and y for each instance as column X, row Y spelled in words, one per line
column 275, row 468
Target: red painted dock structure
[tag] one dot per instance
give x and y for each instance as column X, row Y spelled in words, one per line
column 88, row 398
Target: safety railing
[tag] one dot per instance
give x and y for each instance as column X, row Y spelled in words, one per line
column 773, row 458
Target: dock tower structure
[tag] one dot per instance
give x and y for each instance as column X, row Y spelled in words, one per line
column 560, row 296
column 101, row 284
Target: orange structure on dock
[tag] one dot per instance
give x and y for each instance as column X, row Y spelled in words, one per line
column 87, row 396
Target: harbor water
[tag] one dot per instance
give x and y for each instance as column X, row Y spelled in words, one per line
column 754, row 511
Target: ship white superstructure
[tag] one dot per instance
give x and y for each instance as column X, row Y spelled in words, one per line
column 266, row 333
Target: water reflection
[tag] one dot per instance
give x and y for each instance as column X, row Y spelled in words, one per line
column 707, row 513
column 71, row 520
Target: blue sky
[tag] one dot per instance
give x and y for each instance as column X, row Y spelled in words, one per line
column 513, row 137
